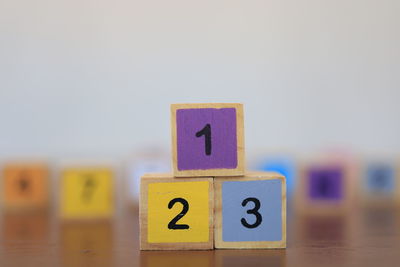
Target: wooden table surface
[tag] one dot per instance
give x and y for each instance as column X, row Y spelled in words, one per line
column 366, row 237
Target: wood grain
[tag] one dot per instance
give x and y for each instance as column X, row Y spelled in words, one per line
column 364, row 238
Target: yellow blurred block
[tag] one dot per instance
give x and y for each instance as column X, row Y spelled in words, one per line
column 25, row 185
column 87, row 193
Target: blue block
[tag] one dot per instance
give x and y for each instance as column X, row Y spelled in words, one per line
column 284, row 166
column 235, row 208
column 380, row 179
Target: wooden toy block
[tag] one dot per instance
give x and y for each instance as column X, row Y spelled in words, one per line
column 176, row 213
column 284, row 165
column 379, row 181
column 325, row 188
column 25, row 186
column 87, row 193
column 250, row 211
column 207, row 140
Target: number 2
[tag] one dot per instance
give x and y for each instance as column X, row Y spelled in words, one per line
column 206, row 131
column 172, row 224
column 253, row 211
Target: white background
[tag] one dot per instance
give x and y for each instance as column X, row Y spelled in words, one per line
column 96, row 77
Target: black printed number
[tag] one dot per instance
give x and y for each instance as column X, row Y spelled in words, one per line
column 324, row 185
column 206, row 131
column 172, row 224
column 23, row 183
column 253, row 211
column 88, row 188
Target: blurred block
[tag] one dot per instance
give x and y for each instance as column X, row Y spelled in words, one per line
column 380, row 179
column 87, row 193
column 326, row 184
column 250, row 211
column 207, row 139
column 138, row 168
column 325, row 188
column 81, row 242
column 33, row 227
column 25, row 186
column 176, row 213
column 283, row 165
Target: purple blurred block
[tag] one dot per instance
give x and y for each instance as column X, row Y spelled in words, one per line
column 191, row 152
column 326, row 183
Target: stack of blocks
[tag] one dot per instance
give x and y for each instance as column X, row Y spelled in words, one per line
column 210, row 201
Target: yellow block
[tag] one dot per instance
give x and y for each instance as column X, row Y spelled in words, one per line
column 87, row 193
column 160, row 215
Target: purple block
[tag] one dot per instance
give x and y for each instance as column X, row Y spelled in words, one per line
column 202, row 147
column 326, row 183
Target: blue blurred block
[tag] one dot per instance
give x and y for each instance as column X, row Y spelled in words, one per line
column 284, row 166
column 380, row 179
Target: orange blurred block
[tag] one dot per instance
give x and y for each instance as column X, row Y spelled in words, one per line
column 25, row 186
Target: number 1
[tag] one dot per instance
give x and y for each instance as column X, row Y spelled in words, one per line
column 206, row 131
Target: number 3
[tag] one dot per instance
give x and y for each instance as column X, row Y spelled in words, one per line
column 253, row 211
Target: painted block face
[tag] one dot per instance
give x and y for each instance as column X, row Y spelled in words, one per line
column 207, row 139
column 188, row 201
column 251, row 212
column 326, row 184
column 246, row 205
column 380, row 179
column 177, row 213
column 25, row 186
column 87, row 193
